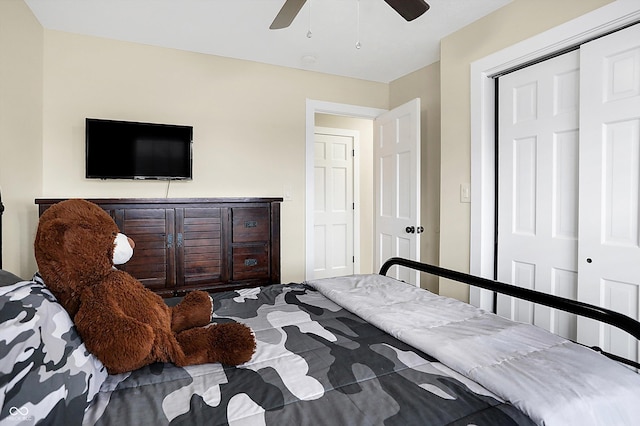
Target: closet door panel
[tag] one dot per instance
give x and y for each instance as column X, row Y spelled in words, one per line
column 609, row 251
column 538, row 187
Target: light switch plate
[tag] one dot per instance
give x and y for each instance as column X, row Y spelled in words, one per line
column 287, row 192
column 465, row 193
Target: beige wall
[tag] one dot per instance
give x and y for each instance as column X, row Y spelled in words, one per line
column 365, row 129
column 425, row 84
column 245, row 115
column 248, row 118
column 515, row 22
column 21, row 49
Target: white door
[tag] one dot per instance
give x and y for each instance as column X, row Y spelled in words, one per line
column 334, row 203
column 397, row 187
column 538, row 188
column 609, row 252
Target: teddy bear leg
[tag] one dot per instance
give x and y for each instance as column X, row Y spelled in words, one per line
column 121, row 344
column 228, row 343
column 194, row 310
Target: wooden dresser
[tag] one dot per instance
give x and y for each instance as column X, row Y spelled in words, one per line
column 211, row 244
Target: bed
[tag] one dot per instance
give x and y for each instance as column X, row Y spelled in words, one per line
column 356, row 350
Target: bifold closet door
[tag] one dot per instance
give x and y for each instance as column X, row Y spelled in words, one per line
column 538, row 188
column 569, row 186
column 609, row 249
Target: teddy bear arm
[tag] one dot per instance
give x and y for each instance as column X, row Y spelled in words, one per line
column 121, row 343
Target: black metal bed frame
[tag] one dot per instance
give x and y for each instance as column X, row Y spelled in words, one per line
column 613, row 318
column 1, row 211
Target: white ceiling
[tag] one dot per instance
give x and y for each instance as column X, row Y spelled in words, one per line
column 390, row 46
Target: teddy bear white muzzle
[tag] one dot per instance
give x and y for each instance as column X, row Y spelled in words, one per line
column 123, row 249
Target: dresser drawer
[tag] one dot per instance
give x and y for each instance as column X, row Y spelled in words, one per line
column 250, row 224
column 250, row 262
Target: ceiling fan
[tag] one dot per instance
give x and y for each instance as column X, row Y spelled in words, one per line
column 408, row 9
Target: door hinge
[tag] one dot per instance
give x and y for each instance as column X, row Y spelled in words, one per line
column 353, row 259
column 353, row 206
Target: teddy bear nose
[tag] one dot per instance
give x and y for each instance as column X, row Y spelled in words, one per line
column 131, row 243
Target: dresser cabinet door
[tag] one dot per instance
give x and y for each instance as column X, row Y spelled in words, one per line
column 199, row 246
column 152, row 231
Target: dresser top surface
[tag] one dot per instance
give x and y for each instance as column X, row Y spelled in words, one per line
column 165, row 201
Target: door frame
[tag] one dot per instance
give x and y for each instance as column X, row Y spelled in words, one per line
column 483, row 195
column 322, row 107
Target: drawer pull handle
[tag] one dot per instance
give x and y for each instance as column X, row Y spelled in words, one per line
column 179, row 243
column 250, row 262
column 170, row 241
column 251, row 224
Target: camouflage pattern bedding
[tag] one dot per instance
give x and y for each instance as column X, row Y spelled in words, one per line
column 47, row 376
column 315, row 363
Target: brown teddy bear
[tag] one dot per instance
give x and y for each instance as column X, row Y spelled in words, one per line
column 120, row 321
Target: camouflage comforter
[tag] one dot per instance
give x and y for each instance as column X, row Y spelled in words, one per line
column 47, row 376
column 316, row 363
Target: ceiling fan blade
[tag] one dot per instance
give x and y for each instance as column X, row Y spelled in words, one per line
column 287, row 14
column 409, row 9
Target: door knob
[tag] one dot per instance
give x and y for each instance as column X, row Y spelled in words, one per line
column 420, row 230
column 410, row 229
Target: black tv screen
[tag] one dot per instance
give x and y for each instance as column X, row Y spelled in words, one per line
column 132, row 150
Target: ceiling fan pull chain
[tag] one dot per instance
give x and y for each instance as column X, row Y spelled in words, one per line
column 309, row 33
column 358, row 45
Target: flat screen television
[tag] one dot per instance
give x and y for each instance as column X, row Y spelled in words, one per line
column 133, row 150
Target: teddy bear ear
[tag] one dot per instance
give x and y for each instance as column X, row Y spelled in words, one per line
column 50, row 235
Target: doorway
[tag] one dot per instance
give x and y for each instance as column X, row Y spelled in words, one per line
column 400, row 125
column 334, row 115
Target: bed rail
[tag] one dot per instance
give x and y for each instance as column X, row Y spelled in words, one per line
column 608, row 316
